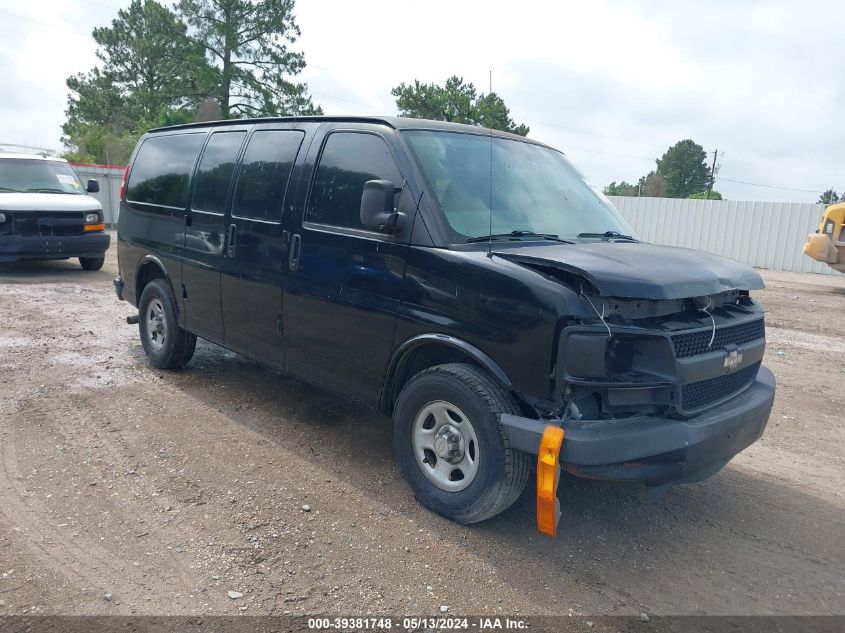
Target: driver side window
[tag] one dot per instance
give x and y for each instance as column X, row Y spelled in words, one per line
column 348, row 160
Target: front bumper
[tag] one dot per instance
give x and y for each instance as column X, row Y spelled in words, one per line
column 15, row 248
column 657, row 451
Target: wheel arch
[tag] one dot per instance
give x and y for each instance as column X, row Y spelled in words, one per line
column 149, row 268
column 428, row 350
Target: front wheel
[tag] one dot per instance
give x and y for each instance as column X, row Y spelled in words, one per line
column 166, row 344
column 452, row 449
column 91, row 263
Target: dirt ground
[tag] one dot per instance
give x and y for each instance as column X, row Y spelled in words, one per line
column 167, row 490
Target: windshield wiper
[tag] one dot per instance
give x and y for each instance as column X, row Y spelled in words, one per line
column 46, row 190
column 517, row 234
column 9, row 189
column 610, row 234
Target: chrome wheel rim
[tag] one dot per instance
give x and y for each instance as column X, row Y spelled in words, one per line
column 156, row 325
column 445, row 446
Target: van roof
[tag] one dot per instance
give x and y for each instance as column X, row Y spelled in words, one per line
column 31, row 156
column 398, row 123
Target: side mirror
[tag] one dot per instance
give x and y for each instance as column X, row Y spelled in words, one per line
column 93, row 186
column 377, row 210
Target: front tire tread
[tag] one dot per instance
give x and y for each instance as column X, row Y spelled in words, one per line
column 505, row 491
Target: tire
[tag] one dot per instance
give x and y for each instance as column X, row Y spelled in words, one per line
column 91, row 263
column 499, row 473
column 166, row 344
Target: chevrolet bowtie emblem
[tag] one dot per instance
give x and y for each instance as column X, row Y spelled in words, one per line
column 733, row 359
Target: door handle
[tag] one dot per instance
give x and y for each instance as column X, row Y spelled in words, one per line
column 293, row 254
column 230, row 240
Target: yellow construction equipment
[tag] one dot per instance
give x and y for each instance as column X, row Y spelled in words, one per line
column 827, row 244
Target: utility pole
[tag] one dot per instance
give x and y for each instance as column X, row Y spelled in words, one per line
column 712, row 174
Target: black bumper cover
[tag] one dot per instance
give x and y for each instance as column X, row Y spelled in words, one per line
column 657, row 451
column 15, row 248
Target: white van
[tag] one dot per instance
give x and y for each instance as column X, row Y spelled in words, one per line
column 46, row 212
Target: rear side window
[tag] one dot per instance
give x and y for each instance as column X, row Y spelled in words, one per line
column 349, row 159
column 264, row 174
column 211, row 191
column 162, row 170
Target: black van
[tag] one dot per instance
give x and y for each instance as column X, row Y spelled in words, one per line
column 468, row 282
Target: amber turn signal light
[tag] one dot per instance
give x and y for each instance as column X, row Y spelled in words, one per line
column 95, row 227
column 548, row 475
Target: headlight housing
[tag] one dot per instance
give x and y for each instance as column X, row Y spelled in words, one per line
column 94, row 221
column 587, row 355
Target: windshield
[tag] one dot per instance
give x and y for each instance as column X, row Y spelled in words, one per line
column 535, row 189
column 34, row 176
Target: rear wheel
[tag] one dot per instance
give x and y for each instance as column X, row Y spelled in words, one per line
column 91, row 263
column 451, row 448
column 166, row 344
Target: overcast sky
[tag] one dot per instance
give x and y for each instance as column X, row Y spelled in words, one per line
column 613, row 84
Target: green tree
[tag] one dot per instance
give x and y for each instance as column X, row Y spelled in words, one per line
column 147, row 54
column 684, row 169
column 96, row 144
column 455, row 101
column 652, row 185
column 828, row 197
column 150, row 74
column 702, row 195
column 247, row 43
column 622, row 189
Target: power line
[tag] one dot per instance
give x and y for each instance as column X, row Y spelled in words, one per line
column 105, row 6
column 757, row 184
column 705, row 183
column 591, row 133
column 87, row 36
column 601, row 151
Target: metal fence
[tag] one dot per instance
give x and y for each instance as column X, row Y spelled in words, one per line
column 110, row 177
column 762, row 234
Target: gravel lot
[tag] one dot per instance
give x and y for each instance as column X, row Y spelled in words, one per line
column 167, row 490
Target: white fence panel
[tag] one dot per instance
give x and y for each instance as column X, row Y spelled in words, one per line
column 762, row 234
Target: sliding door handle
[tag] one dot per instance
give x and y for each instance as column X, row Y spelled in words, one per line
column 293, row 254
column 230, row 240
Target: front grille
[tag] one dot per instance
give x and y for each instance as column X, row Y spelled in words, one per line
column 47, row 224
column 695, row 343
column 696, row 395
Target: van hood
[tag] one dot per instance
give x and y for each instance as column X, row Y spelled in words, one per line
column 639, row 271
column 19, row 201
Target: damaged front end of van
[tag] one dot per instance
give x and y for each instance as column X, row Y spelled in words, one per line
column 661, row 381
